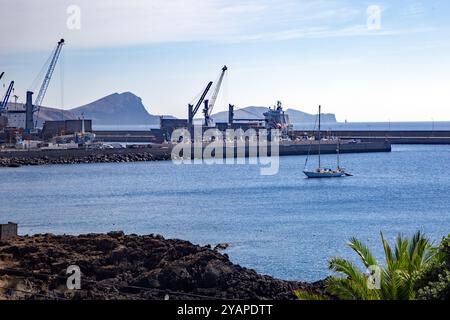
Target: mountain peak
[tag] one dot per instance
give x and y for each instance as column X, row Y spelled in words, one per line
column 121, row 96
column 117, row 109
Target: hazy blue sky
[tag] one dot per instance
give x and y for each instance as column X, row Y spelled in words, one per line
column 304, row 53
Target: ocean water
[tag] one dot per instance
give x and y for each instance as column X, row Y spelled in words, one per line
column 284, row 225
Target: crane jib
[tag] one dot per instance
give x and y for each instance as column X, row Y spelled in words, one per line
column 4, row 103
column 212, row 102
column 199, row 103
column 48, row 76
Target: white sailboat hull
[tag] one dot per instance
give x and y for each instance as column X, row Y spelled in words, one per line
column 321, row 172
column 324, row 174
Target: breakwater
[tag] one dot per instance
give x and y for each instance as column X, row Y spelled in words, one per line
column 164, row 152
column 393, row 136
column 42, row 157
column 135, row 136
column 436, row 137
column 331, row 147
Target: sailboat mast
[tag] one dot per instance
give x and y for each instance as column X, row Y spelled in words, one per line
column 320, row 138
column 338, row 153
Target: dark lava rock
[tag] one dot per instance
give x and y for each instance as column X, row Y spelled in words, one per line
column 117, row 266
column 116, row 234
column 221, row 246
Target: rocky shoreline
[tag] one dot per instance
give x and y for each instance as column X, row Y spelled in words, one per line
column 14, row 162
column 119, row 266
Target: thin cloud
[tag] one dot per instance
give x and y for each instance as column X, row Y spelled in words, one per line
column 38, row 25
column 326, row 32
column 414, row 9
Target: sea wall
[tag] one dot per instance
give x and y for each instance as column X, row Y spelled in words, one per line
column 41, row 157
column 438, row 137
column 163, row 152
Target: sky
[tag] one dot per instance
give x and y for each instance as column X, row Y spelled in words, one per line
column 365, row 61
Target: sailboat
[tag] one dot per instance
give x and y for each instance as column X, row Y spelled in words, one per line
column 321, row 172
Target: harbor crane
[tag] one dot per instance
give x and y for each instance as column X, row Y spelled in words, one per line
column 4, row 103
column 40, row 97
column 193, row 110
column 208, row 104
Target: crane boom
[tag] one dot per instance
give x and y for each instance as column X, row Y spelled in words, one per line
column 192, row 111
column 6, row 98
column 48, row 76
column 212, row 102
column 1, row 75
column 199, row 103
column 208, row 104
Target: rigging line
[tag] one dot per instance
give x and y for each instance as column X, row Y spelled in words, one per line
column 196, row 97
column 225, row 90
column 37, row 117
column 40, row 75
column 61, row 68
column 310, row 144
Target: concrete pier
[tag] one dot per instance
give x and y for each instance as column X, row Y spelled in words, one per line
column 164, row 151
column 394, row 137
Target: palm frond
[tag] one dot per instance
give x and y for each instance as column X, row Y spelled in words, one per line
column 387, row 252
column 363, row 252
column 351, row 289
column 342, row 288
column 403, row 265
column 345, row 267
column 305, row 295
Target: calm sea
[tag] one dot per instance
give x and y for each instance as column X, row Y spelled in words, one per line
column 283, row 225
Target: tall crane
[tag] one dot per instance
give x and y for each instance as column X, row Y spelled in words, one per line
column 4, row 103
column 217, row 89
column 40, row 97
column 193, row 110
column 1, row 75
column 209, row 105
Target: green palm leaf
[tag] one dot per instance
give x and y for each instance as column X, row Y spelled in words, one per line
column 305, row 295
column 363, row 252
column 397, row 279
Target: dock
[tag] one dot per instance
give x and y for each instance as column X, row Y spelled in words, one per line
column 158, row 152
column 394, row 137
column 330, row 147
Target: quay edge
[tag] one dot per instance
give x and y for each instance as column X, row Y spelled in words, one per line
column 163, row 152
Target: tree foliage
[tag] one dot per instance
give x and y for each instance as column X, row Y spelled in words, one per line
column 434, row 281
column 394, row 280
